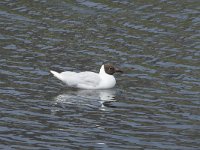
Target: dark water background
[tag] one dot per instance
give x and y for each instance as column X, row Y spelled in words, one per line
column 156, row 103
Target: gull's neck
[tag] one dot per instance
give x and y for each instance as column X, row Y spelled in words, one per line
column 102, row 70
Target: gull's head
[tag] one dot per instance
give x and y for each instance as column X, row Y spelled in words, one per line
column 109, row 69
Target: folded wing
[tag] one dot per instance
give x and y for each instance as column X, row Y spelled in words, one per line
column 86, row 80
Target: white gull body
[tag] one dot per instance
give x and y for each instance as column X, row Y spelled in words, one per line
column 87, row 80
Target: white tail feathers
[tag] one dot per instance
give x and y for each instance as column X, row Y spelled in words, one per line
column 56, row 74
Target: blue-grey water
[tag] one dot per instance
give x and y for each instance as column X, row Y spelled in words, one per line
column 156, row 102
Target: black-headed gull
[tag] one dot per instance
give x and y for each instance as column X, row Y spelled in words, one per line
column 89, row 80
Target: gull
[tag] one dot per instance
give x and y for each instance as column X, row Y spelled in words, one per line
column 89, row 80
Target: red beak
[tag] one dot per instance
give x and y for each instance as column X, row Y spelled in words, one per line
column 118, row 70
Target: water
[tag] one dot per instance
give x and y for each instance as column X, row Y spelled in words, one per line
column 155, row 104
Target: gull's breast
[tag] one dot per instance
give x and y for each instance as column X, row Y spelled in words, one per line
column 107, row 81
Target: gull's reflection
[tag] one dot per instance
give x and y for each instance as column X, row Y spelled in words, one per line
column 91, row 98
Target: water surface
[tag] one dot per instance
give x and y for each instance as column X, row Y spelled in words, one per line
column 155, row 104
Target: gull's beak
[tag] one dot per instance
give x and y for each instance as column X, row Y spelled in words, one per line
column 118, row 70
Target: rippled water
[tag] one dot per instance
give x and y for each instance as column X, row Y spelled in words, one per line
column 156, row 102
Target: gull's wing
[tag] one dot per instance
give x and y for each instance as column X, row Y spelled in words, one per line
column 88, row 80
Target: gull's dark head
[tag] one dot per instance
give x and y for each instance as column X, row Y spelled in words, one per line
column 110, row 69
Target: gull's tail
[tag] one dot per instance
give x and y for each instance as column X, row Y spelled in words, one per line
column 56, row 74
